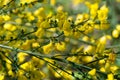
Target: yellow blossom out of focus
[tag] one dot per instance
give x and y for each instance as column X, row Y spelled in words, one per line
column 118, row 27
column 101, row 44
column 60, row 9
column 61, row 46
column 26, row 1
column 102, row 69
column 92, row 72
column 6, row 17
column 115, row 33
column 110, row 76
column 47, row 48
column 93, row 9
column 76, row 2
column 102, row 62
column 2, row 76
column 89, row 49
column 87, row 59
column 52, row 2
column 5, row 2
column 113, row 68
column 103, row 13
column 21, row 56
column 9, row 27
column 40, row 12
column 18, row 21
column 59, row 39
column 35, row 44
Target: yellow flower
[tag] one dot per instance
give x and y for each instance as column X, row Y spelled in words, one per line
column 102, row 69
column 37, row 62
column 67, row 33
column 48, row 48
column 6, row 17
column 101, row 44
column 18, row 21
column 40, row 32
column 9, row 66
column 101, row 61
column 20, row 72
column 115, row 33
column 26, row 44
column 76, row 2
column 11, row 73
column 80, row 49
column 75, row 34
column 87, row 59
column 31, row 18
column 79, row 18
column 40, row 12
column 10, row 27
column 103, row 13
column 26, row 1
column 66, row 28
column 113, row 68
column 66, row 75
column 110, row 76
column 93, row 10
column 44, row 24
column 107, row 66
column 88, row 4
column 22, row 56
column 27, row 66
column 56, row 74
column 35, row 44
column 112, row 57
column 85, row 38
column 59, row 8
column 66, row 25
column 73, row 59
column 89, row 49
column 118, row 27
column 61, row 46
column 92, row 72
column 49, row 60
column 52, row 2
column 2, row 76
column 109, row 37
column 5, row 2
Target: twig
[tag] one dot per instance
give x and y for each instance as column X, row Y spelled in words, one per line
column 7, row 4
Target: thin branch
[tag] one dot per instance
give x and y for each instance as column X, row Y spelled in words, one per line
column 25, row 51
column 76, row 65
column 7, row 4
column 87, row 42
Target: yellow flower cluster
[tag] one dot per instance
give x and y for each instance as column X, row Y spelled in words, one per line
column 47, row 42
column 116, row 32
